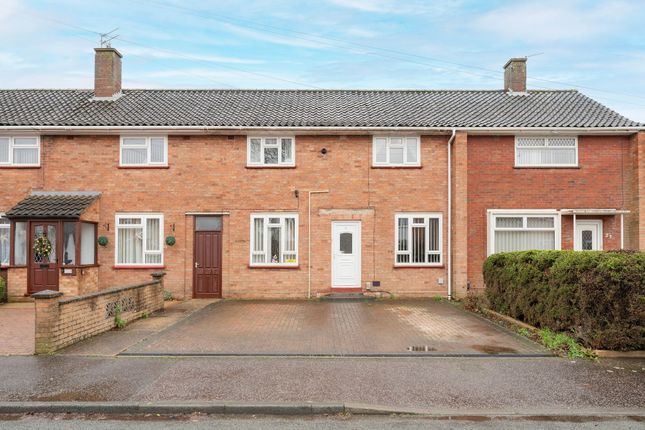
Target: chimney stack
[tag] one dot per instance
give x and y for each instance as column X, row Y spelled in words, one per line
column 515, row 75
column 107, row 72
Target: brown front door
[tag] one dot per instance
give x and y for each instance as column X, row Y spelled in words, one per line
column 207, row 264
column 43, row 269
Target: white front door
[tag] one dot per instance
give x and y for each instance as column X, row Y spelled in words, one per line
column 588, row 235
column 346, row 254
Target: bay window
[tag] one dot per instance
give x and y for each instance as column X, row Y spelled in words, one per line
column 418, row 239
column 274, row 239
column 271, row 151
column 139, row 240
column 557, row 151
column 20, row 151
column 144, row 151
column 523, row 231
column 396, row 151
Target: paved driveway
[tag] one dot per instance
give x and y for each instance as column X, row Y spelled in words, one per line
column 17, row 329
column 422, row 327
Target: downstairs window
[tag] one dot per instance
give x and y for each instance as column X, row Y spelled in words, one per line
column 523, row 231
column 274, row 239
column 418, row 239
column 139, row 240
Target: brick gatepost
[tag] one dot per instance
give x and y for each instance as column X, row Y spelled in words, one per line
column 46, row 318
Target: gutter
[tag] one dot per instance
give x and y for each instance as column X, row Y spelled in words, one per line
column 412, row 130
column 449, row 261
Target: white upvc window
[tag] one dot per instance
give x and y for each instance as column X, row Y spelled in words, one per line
column 271, row 151
column 553, row 151
column 418, row 239
column 523, row 230
column 274, row 239
column 396, row 151
column 5, row 240
column 139, row 239
column 22, row 151
column 144, row 151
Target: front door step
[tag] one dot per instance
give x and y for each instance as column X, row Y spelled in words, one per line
column 346, row 297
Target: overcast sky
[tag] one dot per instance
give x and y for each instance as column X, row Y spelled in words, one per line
column 597, row 47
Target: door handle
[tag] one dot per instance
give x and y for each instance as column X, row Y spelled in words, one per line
column 196, row 265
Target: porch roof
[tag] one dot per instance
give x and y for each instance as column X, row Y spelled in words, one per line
column 47, row 204
column 593, row 211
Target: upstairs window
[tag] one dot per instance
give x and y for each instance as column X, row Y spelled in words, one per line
column 21, row 151
column 274, row 239
column 271, row 151
column 396, row 151
column 418, row 239
column 5, row 241
column 139, row 240
column 546, row 151
column 144, row 151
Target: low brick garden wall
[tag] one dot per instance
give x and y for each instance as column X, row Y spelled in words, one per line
column 61, row 322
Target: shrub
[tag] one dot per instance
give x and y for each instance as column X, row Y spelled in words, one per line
column 596, row 297
column 167, row 296
column 3, row 289
column 475, row 302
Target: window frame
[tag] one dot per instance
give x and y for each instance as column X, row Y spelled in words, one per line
column 546, row 140
column 12, row 146
column 147, row 146
column 7, row 227
column 144, row 217
column 426, row 216
column 493, row 214
column 388, row 143
column 262, row 163
column 265, row 236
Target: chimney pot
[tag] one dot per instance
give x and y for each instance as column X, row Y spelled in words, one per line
column 107, row 72
column 515, row 75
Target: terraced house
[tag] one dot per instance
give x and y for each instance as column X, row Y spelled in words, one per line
column 298, row 193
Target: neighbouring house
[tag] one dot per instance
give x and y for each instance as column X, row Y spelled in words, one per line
column 297, row 193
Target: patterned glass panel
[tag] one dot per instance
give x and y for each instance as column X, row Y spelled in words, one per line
column 509, row 222
column 208, row 223
column 271, row 155
column 20, row 244
column 540, row 222
column 587, row 240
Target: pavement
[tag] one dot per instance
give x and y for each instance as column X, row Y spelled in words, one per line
column 495, row 383
column 312, row 328
column 17, row 329
column 31, row 422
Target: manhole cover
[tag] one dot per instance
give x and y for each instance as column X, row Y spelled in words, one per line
column 421, row 348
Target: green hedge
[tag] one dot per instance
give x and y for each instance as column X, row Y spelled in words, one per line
column 598, row 297
column 3, row 289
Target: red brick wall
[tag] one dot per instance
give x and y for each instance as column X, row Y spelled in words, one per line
column 494, row 183
column 208, row 173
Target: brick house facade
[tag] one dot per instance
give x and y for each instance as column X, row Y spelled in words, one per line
column 306, row 205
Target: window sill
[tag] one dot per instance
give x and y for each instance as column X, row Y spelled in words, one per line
column 418, row 266
column 397, row 167
column 144, row 167
column 20, row 167
column 546, row 167
column 270, row 167
column 272, row 266
column 80, row 266
column 138, row 267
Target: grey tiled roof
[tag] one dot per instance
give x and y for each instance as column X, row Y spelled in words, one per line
column 307, row 108
column 53, row 205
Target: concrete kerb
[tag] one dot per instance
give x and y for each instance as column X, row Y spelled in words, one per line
column 306, row 408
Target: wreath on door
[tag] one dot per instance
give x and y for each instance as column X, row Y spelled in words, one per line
column 42, row 246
